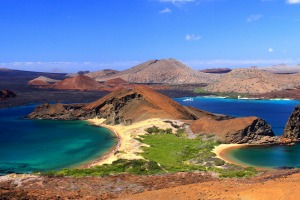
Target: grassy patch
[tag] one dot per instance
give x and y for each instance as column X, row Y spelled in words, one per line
column 167, row 153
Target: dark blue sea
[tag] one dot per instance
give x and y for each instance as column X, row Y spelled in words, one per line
column 275, row 112
column 41, row 145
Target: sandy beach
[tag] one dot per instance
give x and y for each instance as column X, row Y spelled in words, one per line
column 128, row 147
column 222, row 150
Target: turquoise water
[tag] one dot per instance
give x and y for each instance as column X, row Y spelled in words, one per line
column 41, row 145
column 275, row 112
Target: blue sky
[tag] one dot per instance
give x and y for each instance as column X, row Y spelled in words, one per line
column 72, row 35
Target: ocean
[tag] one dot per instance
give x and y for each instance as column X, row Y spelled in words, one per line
column 275, row 112
column 28, row 146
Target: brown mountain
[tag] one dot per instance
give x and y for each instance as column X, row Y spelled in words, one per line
column 79, row 82
column 162, row 71
column 122, row 106
column 254, row 81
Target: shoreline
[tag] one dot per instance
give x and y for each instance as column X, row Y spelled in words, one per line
column 110, row 152
column 222, row 150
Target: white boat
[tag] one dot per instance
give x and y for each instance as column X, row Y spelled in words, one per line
column 214, row 96
column 188, row 99
column 245, row 98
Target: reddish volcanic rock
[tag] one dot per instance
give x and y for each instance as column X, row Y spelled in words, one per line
column 115, row 82
column 38, row 82
column 236, row 130
column 80, row 82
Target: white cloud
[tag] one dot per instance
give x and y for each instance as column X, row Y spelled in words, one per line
column 164, row 11
column 190, row 37
column 293, row 1
column 270, row 50
column 201, row 64
column 253, row 18
column 68, row 67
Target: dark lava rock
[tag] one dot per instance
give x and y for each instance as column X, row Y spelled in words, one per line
column 5, row 94
column 292, row 127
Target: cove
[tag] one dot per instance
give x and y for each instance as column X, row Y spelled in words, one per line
column 41, row 145
column 275, row 112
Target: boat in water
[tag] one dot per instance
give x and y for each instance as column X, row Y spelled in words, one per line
column 188, row 99
column 214, row 96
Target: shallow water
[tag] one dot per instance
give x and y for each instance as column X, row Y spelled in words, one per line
column 275, row 112
column 41, row 145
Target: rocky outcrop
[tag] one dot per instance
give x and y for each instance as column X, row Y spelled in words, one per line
column 292, row 127
column 6, row 94
column 123, row 106
column 251, row 130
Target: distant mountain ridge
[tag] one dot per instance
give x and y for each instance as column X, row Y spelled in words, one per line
column 254, row 81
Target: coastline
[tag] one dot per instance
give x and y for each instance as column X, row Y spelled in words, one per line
column 222, row 152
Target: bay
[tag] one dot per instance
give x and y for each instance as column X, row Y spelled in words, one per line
column 41, row 145
column 275, row 112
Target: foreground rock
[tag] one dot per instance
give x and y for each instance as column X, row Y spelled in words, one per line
column 123, row 106
column 6, row 94
column 292, row 127
column 250, row 130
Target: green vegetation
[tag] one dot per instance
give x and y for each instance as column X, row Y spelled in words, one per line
column 167, row 153
column 140, row 167
column 233, row 95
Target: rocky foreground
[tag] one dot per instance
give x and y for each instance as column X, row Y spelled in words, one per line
column 276, row 184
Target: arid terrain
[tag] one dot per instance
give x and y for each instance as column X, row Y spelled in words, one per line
column 254, row 81
column 279, row 184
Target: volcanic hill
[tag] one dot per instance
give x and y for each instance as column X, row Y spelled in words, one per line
column 168, row 71
column 42, row 81
column 254, row 81
column 79, row 82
